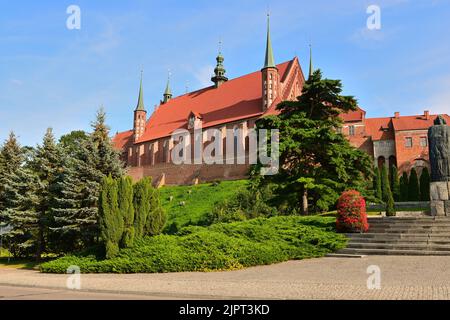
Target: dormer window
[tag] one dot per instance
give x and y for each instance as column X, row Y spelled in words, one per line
column 193, row 118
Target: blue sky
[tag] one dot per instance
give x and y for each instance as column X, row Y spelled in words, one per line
column 51, row 76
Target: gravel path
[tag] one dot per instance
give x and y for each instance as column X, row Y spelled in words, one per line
column 325, row 278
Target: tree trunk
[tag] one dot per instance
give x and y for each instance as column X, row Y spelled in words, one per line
column 304, row 201
column 40, row 244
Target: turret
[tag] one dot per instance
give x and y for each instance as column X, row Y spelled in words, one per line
column 270, row 75
column 140, row 115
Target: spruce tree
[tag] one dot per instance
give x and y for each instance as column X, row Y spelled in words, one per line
column 395, row 183
column 20, row 213
column 425, row 185
column 76, row 203
column 110, row 220
column 413, row 186
column 45, row 164
column 11, row 158
column 108, row 159
column 404, row 183
column 88, row 159
column 126, row 210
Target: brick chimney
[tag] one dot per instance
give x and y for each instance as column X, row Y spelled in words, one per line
column 397, row 115
column 426, row 114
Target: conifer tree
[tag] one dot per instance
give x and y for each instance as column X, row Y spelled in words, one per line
column 142, row 205
column 385, row 188
column 413, row 186
column 390, row 205
column 425, row 185
column 110, row 220
column 377, row 184
column 126, row 210
column 157, row 217
column 45, row 164
column 395, row 183
column 404, row 183
column 20, row 213
column 11, row 158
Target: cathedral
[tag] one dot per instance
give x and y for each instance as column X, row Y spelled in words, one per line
column 232, row 105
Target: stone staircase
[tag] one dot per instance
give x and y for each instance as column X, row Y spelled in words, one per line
column 402, row 236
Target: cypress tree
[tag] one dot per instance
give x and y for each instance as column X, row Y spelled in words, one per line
column 377, row 184
column 390, row 208
column 413, row 186
column 157, row 217
column 126, row 210
column 395, row 183
column 110, row 219
column 425, row 185
column 141, row 203
column 385, row 189
column 404, row 183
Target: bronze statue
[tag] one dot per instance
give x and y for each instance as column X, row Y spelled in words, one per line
column 439, row 146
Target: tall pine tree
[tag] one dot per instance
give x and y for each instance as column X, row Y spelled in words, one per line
column 11, row 158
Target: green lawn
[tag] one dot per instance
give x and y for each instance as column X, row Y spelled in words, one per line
column 223, row 246
column 190, row 204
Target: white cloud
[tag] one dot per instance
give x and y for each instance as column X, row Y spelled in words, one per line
column 16, row 82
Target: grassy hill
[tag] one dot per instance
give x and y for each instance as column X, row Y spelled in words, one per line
column 188, row 205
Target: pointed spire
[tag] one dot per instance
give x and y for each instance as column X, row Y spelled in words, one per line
column 311, row 70
column 167, row 93
column 140, row 104
column 269, row 62
column 219, row 70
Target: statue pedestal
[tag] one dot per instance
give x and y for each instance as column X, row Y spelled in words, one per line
column 440, row 198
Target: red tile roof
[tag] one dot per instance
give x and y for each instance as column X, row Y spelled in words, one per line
column 236, row 99
column 379, row 128
column 415, row 122
column 120, row 140
column 357, row 115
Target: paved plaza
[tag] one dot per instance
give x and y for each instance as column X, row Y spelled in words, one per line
column 402, row 277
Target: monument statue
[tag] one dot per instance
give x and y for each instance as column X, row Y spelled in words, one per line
column 439, row 146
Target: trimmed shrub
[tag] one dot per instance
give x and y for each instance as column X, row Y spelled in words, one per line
column 413, row 186
column 351, row 212
column 395, row 183
column 126, row 210
column 377, row 184
column 425, row 185
column 404, row 182
column 222, row 246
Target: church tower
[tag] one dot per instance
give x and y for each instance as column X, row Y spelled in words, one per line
column 219, row 71
column 270, row 76
column 140, row 115
column 167, row 93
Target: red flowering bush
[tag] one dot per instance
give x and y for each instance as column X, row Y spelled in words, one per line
column 351, row 212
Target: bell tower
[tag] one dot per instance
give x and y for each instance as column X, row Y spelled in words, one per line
column 140, row 115
column 270, row 75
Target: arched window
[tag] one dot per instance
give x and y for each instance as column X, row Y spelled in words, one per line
column 392, row 161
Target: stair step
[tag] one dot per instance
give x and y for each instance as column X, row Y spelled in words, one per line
column 400, row 241
column 396, row 246
column 405, row 236
column 392, row 252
